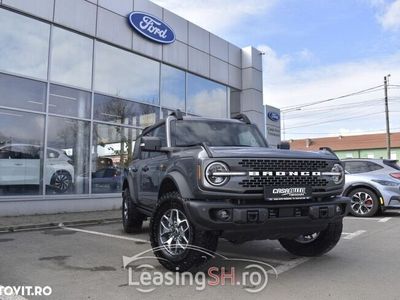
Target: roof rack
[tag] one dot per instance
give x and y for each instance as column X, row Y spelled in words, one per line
column 243, row 118
column 177, row 114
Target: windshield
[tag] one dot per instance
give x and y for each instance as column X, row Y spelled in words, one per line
column 216, row 133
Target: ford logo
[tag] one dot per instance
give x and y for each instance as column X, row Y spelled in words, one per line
column 151, row 27
column 273, row 116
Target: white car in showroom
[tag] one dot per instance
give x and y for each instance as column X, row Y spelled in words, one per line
column 20, row 164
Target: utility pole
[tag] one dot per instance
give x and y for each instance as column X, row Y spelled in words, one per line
column 385, row 80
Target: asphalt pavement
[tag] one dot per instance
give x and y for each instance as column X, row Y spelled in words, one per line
column 86, row 262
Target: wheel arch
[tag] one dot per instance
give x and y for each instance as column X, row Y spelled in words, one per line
column 358, row 185
column 175, row 181
column 128, row 183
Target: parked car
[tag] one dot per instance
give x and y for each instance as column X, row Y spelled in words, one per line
column 372, row 184
column 110, row 176
column 20, row 165
column 200, row 179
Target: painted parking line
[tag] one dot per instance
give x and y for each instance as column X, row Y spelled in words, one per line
column 384, row 220
column 121, row 237
column 291, row 264
column 14, row 297
column 263, row 259
column 352, row 235
column 381, row 220
column 10, row 297
column 283, row 265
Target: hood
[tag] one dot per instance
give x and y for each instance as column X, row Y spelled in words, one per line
column 241, row 152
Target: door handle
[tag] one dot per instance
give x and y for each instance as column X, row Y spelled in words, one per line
column 17, row 164
column 145, row 168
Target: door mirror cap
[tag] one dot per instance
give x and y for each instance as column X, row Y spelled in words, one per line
column 150, row 144
column 284, row 145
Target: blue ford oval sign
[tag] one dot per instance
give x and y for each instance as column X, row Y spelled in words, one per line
column 273, row 116
column 151, row 27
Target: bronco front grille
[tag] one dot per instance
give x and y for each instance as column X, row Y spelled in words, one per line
column 284, row 166
column 259, row 182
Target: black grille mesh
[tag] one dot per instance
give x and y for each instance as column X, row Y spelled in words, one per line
column 259, row 182
column 284, row 166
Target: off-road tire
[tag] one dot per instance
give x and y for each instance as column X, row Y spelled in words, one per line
column 132, row 219
column 190, row 258
column 324, row 242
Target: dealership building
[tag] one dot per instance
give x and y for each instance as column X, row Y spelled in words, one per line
column 80, row 79
column 353, row 146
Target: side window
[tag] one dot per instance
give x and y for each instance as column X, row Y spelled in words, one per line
column 5, row 153
column 30, row 152
column 160, row 132
column 357, row 167
column 16, row 153
column 373, row 166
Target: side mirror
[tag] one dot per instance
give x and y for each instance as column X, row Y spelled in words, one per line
column 150, row 144
column 284, row 145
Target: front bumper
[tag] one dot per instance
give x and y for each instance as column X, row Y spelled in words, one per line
column 266, row 220
column 394, row 202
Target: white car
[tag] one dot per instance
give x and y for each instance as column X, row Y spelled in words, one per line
column 20, row 164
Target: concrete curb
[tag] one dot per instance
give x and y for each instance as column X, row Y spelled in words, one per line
column 32, row 227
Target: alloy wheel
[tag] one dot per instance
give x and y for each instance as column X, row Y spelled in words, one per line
column 362, row 203
column 308, row 238
column 125, row 209
column 62, row 182
column 174, row 232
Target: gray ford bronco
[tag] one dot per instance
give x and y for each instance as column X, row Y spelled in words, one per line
column 200, row 179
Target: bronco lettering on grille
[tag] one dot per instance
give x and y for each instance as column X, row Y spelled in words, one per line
column 279, row 173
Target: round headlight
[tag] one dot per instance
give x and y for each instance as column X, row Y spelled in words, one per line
column 338, row 179
column 213, row 168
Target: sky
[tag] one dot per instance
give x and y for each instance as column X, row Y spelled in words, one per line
column 315, row 50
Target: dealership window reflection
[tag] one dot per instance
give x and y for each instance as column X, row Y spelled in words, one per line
column 67, row 163
column 172, row 87
column 205, row 97
column 71, row 58
column 21, row 153
column 114, row 110
column 126, row 75
column 69, row 102
column 112, row 152
column 24, row 45
column 22, row 93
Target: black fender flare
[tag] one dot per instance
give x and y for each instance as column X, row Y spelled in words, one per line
column 128, row 182
column 181, row 184
column 361, row 185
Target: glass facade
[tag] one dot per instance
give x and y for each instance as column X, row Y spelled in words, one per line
column 127, row 75
column 65, row 131
column 24, row 45
column 71, row 58
column 205, row 97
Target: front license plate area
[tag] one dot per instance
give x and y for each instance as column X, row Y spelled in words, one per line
column 287, row 193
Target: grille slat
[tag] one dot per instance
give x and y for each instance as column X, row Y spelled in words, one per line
column 284, row 166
